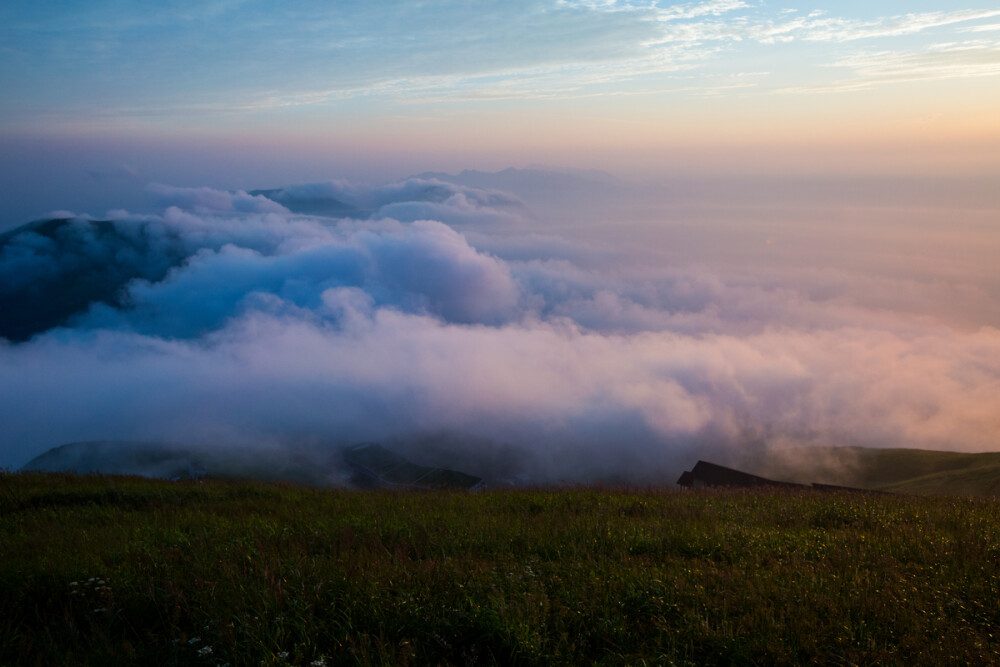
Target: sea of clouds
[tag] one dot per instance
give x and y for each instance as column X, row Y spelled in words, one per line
column 460, row 326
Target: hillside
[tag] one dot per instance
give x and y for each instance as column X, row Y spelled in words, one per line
column 366, row 465
column 912, row 471
column 901, row 470
column 52, row 270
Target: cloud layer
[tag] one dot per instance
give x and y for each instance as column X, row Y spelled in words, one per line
column 241, row 323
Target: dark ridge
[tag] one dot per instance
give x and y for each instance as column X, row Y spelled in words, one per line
column 367, row 465
column 44, row 227
column 705, row 474
column 120, row 458
column 179, row 462
column 52, row 270
column 375, row 466
column 712, row 475
column 323, row 206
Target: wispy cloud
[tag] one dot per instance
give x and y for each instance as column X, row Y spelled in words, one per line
column 694, row 10
column 817, row 27
column 989, row 27
column 840, row 30
column 942, row 61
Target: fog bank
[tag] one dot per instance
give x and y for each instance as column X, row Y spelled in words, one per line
column 602, row 332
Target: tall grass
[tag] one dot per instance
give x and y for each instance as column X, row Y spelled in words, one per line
column 128, row 571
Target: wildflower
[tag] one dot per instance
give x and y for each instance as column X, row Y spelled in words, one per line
column 205, row 650
column 321, row 662
column 194, row 640
column 282, row 654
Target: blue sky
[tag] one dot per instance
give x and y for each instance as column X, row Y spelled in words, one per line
column 179, row 64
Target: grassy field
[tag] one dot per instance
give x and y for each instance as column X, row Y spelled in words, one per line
column 126, row 571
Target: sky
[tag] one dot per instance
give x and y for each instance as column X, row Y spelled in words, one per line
column 245, row 93
column 600, row 239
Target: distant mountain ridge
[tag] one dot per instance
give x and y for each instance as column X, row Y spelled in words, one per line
column 178, row 461
column 326, row 206
column 525, row 181
column 54, row 269
column 372, row 465
column 368, row 465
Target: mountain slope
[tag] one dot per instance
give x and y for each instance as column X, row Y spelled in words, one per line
column 52, row 270
column 900, row 470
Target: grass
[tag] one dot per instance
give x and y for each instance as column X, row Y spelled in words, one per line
column 916, row 471
column 125, row 571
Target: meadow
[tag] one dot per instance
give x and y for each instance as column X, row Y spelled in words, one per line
column 127, row 571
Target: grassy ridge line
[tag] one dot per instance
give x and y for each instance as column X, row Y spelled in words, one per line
column 217, row 572
column 902, row 470
column 983, row 481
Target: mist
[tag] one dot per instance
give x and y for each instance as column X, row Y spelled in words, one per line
column 539, row 325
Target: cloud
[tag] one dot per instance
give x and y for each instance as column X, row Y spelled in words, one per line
column 694, row 10
column 941, row 61
column 208, row 199
column 422, row 267
column 991, row 27
column 818, row 27
column 407, row 200
column 825, row 29
column 588, row 358
column 612, row 406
